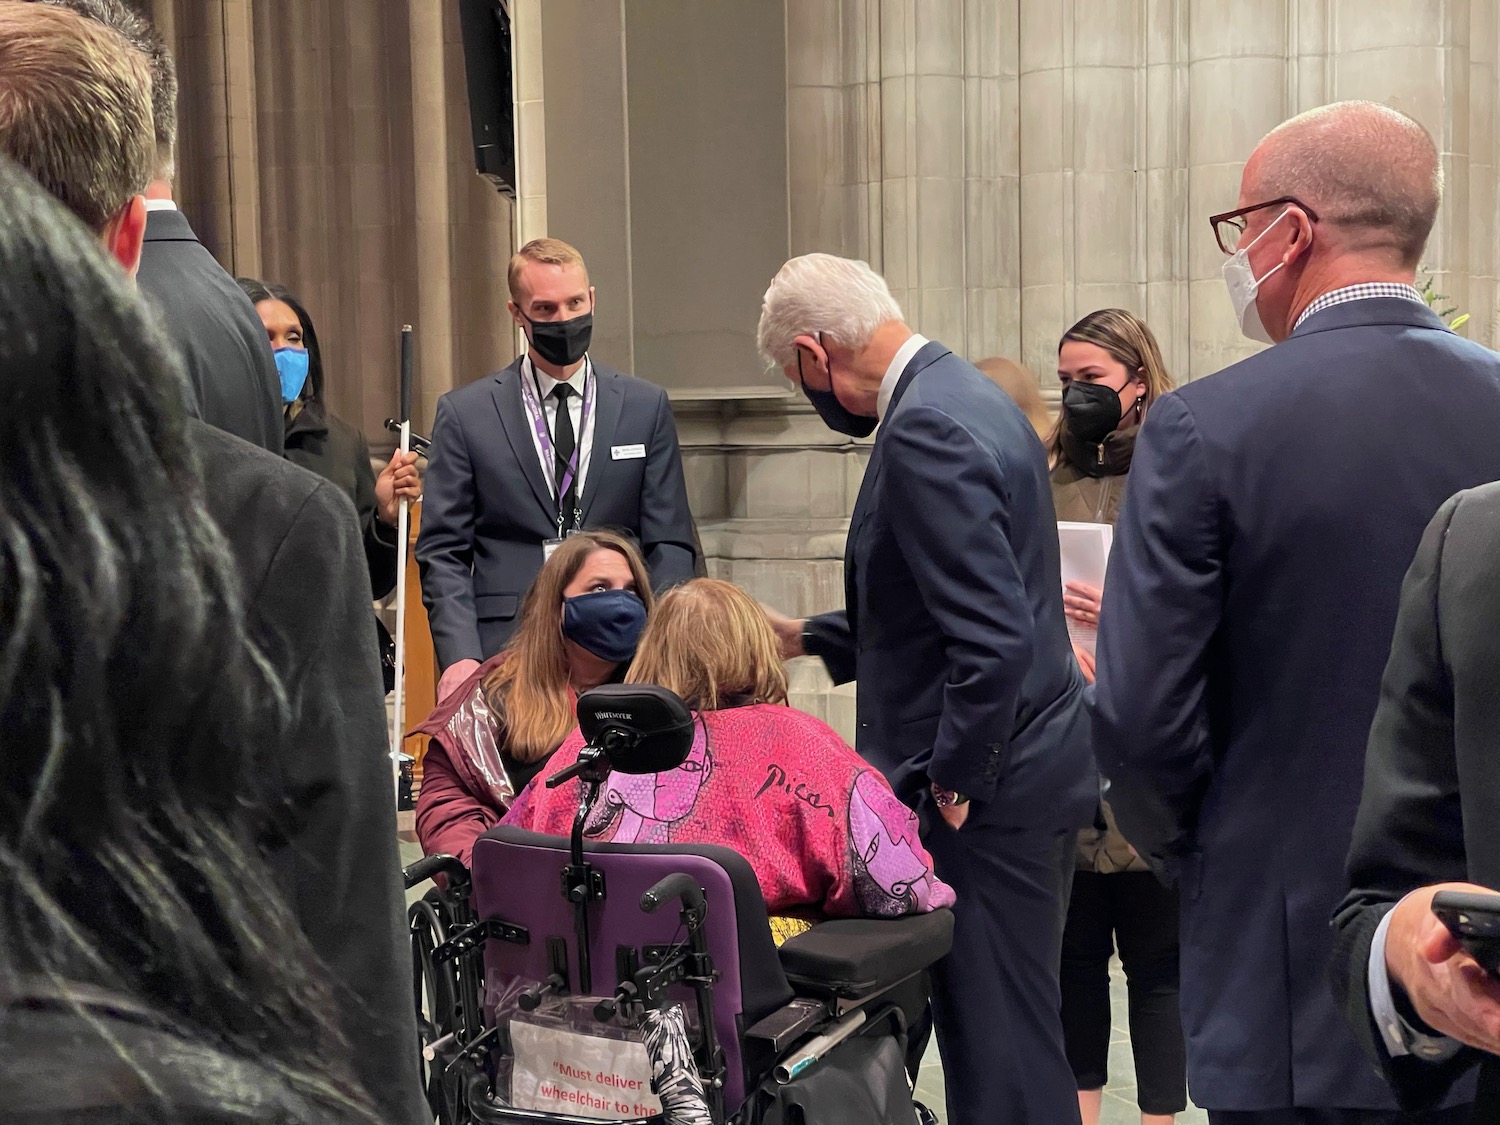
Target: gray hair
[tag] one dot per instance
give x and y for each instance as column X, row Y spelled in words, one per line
column 1363, row 167
column 841, row 298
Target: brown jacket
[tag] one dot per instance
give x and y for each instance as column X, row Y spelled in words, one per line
column 1087, row 484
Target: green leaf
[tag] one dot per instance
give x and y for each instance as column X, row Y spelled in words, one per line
column 1460, row 322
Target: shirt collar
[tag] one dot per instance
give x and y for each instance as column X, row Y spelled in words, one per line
column 547, row 384
column 160, row 205
column 1362, row 292
column 894, row 372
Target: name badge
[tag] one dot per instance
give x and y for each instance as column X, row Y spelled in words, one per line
column 549, row 546
column 626, row 452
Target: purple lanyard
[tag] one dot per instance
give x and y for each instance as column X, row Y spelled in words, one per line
column 531, row 396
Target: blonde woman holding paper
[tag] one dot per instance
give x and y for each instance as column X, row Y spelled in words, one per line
column 1111, row 371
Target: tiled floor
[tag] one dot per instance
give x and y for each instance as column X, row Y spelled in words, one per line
column 1119, row 1096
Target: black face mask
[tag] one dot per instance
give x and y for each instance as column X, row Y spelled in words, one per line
column 832, row 411
column 562, row 342
column 1091, row 411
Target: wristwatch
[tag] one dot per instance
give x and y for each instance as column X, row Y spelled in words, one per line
column 947, row 798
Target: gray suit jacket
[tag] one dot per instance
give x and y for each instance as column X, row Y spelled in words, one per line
column 1431, row 802
column 487, row 507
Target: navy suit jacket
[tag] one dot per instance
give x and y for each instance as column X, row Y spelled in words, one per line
column 1271, row 512
column 953, row 623
column 487, row 507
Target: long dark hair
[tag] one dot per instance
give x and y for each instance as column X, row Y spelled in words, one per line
column 258, row 291
column 133, row 708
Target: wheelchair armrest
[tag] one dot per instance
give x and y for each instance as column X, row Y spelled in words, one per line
column 430, row 866
column 851, row 958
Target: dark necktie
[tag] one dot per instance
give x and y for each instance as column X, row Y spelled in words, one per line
column 564, row 443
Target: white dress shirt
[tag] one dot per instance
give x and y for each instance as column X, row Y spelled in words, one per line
column 544, row 384
column 1400, row 1037
column 894, row 372
column 160, row 205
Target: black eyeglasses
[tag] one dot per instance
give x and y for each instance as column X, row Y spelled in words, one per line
column 1230, row 226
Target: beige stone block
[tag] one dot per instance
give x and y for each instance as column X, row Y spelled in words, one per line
column 1166, row 305
column 898, row 205
column 992, row 127
column 990, row 37
column 707, row 487
column 1044, row 130
column 1409, row 78
column 526, row 39
column 940, row 233
column 898, row 38
column 1105, row 118
column 1104, row 219
column 1216, row 340
column 992, row 232
column 1107, row 33
column 1167, row 219
column 1310, row 76
column 531, row 149
column 897, row 114
column 1449, row 244
column 1041, row 35
column 939, row 126
column 1481, row 326
column 993, row 323
column 1212, row 189
column 855, row 27
column 1163, row 112
column 813, row 43
column 1164, row 39
column 1090, row 297
column 1240, row 28
column 1362, row 24
column 1310, row 26
column 856, row 461
column 939, row 315
column 1045, row 315
column 1481, row 219
column 1482, row 114
column 815, row 118
column 1045, row 207
column 1232, row 104
column 940, row 35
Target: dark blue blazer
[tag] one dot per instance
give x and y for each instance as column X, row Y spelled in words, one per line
column 1271, row 512
column 487, row 507
column 953, row 623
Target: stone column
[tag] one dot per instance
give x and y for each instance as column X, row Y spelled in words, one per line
column 531, row 122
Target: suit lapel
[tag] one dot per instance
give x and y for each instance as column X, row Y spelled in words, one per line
column 609, row 401
column 506, row 392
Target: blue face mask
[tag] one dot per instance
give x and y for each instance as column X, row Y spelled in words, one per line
column 607, row 623
column 291, row 364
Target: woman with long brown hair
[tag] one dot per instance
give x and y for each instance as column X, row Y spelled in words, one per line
column 1112, row 371
column 823, row 831
column 579, row 626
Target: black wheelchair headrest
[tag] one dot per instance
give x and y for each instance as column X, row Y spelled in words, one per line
column 641, row 728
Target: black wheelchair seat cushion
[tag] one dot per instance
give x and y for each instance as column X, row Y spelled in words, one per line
column 851, row 958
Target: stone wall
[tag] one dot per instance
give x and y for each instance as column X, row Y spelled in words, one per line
column 1010, row 165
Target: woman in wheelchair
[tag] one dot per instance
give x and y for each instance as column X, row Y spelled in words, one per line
column 823, row 831
column 579, row 626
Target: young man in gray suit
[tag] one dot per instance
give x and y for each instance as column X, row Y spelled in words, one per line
column 553, row 444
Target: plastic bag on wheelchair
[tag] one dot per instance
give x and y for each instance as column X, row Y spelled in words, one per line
column 559, row 1058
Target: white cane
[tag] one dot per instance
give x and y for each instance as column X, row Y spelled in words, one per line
column 403, row 532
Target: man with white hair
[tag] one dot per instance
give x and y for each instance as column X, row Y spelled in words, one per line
column 969, row 698
column 1272, row 511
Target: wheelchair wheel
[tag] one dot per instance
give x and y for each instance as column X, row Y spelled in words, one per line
column 435, row 995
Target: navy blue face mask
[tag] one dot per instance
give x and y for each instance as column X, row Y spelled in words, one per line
column 831, row 410
column 606, row 623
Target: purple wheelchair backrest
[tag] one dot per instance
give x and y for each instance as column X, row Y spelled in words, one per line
column 518, row 878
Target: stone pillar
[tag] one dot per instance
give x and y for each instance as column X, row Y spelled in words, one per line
column 531, row 122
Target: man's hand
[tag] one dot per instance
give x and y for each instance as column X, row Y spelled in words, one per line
column 788, row 632
column 1085, row 662
column 456, row 674
column 398, row 480
column 955, row 815
column 1447, row 987
column 1081, row 602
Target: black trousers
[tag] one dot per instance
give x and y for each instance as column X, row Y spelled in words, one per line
column 995, row 996
column 1133, row 912
column 1456, row 1116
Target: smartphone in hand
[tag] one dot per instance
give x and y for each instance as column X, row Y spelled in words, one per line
column 1474, row 921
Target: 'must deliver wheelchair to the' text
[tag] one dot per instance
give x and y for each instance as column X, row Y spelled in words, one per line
column 568, row 981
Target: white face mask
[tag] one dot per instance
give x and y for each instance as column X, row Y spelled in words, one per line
column 1243, row 285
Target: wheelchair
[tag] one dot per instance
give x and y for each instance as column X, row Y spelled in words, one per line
column 554, row 959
